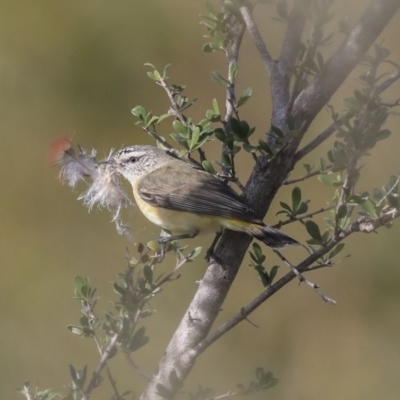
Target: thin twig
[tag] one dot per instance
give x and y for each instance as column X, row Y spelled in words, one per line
column 175, row 106
column 103, row 361
column 324, row 135
column 302, row 278
column 26, row 393
column 139, row 371
column 236, row 29
column 348, row 186
column 389, row 81
column 157, row 137
column 309, row 215
column 166, row 278
column 309, row 175
column 223, row 396
column 113, row 382
column 88, row 310
column 389, row 192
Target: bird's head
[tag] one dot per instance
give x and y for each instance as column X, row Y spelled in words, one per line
column 133, row 162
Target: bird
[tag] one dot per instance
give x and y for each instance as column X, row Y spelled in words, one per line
column 185, row 200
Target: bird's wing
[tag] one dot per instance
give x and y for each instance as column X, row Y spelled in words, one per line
column 193, row 191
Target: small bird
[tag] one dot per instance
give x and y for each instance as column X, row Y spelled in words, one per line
column 183, row 199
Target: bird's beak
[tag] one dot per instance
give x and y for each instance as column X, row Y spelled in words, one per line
column 110, row 162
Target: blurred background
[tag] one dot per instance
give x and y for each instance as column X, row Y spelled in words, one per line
column 77, row 67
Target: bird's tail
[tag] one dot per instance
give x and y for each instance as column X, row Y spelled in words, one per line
column 270, row 236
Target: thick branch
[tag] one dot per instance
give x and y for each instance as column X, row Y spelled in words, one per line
column 317, row 94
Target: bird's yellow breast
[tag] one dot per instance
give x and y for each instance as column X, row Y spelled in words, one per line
column 178, row 221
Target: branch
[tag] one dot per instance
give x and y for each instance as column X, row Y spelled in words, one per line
column 324, row 135
column 309, row 175
column 305, row 216
column 331, row 129
column 312, row 45
column 384, row 85
column 389, row 192
column 294, row 32
column 256, row 37
column 158, row 138
column 25, row 391
column 175, row 107
column 135, row 367
column 337, row 68
column 302, row 278
column 103, row 361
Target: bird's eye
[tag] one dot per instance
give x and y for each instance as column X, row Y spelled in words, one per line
column 133, row 159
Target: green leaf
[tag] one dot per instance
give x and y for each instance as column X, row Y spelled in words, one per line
column 296, row 198
column 215, row 106
column 208, row 167
column 286, row 207
column 77, row 330
column 194, row 253
column 148, row 273
column 233, row 70
column 336, row 250
column 246, row 94
column 220, row 134
column 249, row 148
column 150, row 65
column 341, row 212
column 165, row 70
column 257, row 250
column 264, row 147
column 79, row 282
column 161, row 117
column 179, row 127
column 313, row 231
column 138, row 340
column 308, row 168
column 154, row 246
column 277, row 132
column 226, row 160
column 207, row 48
column 303, row 208
column 217, row 78
column 154, row 75
column 195, row 138
column 179, row 139
column 213, row 116
column 369, row 208
column 339, row 156
column 139, row 112
column 382, row 135
column 273, row 272
column 354, row 200
column 352, row 104
column 326, row 180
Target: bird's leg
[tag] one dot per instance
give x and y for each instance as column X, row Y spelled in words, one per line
column 164, row 240
column 210, row 251
column 167, row 239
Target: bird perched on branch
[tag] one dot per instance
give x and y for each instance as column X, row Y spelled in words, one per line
column 185, row 200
